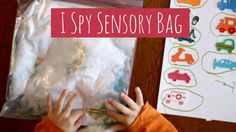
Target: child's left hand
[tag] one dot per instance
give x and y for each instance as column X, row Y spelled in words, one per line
column 128, row 114
column 67, row 120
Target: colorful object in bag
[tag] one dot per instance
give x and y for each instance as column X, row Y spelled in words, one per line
column 227, row 45
column 227, row 4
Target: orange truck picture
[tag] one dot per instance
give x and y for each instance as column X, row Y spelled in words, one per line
column 193, row 3
column 227, row 24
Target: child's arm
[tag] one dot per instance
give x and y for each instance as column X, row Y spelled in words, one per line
column 138, row 117
column 59, row 119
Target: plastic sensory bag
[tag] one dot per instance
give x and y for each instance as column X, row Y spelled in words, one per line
column 96, row 68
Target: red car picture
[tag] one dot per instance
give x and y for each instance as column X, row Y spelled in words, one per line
column 174, row 76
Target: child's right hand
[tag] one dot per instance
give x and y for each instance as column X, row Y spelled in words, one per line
column 67, row 120
column 129, row 114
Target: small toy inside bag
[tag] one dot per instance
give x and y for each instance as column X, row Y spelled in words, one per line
column 97, row 68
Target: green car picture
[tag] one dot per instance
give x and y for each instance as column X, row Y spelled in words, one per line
column 227, row 44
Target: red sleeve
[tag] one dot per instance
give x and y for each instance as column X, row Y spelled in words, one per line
column 150, row 120
column 47, row 125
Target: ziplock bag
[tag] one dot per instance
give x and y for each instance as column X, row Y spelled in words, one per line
column 97, row 68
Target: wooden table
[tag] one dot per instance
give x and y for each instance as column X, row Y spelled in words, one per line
column 146, row 74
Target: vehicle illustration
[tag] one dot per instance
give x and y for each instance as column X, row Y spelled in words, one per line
column 224, row 63
column 195, row 20
column 191, row 37
column 227, row 45
column 227, row 4
column 175, row 97
column 187, row 57
column 227, row 24
column 178, row 76
column 193, row 3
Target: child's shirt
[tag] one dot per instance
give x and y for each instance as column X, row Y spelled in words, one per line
column 149, row 120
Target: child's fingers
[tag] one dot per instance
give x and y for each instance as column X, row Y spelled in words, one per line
column 75, row 115
column 49, row 102
column 67, row 110
column 60, row 101
column 139, row 96
column 120, row 107
column 118, row 127
column 79, row 122
column 132, row 105
column 118, row 117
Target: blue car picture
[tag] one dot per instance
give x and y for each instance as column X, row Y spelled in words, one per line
column 224, row 63
column 227, row 4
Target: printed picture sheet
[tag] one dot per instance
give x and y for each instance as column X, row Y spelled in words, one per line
column 199, row 72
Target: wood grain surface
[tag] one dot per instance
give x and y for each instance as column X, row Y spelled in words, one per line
column 146, row 74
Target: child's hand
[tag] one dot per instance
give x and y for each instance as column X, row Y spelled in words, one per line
column 64, row 118
column 130, row 113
